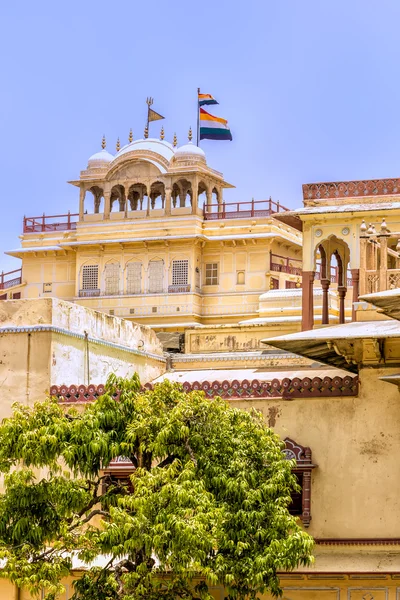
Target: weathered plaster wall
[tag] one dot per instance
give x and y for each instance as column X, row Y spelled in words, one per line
column 355, row 443
column 233, row 338
column 49, row 341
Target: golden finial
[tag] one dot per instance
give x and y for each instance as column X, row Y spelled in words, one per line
column 130, row 136
column 146, row 132
column 175, row 142
column 118, row 146
column 190, row 134
column 103, row 142
column 162, row 133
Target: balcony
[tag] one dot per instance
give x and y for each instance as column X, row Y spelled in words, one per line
column 178, row 289
column 50, row 223
column 10, row 279
column 89, row 293
column 242, row 210
column 282, row 264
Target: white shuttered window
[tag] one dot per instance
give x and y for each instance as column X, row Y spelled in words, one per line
column 156, row 276
column 134, row 278
column 111, row 277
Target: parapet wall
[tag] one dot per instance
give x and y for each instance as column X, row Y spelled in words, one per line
column 45, row 342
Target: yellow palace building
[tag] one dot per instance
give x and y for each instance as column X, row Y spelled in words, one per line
column 294, row 312
column 155, row 242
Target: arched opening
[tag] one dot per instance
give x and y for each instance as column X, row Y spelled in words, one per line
column 216, row 199
column 202, row 195
column 117, row 199
column 98, row 199
column 157, row 195
column 182, row 194
column 331, row 260
column 137, row 197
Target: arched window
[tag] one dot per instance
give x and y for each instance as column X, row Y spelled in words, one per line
column 89, row 281
column 111, row 279
column 134, row 277
column 156, row 276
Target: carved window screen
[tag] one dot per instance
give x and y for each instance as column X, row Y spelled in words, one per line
column 90, row 277
column 156, row 276
column 301, row 501
column 212, row 274
column 111, row 276
column 134, row 278
column 180, row 272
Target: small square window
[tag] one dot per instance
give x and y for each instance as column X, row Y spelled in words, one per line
column 212, row 274
column 131, row 311
column 154, row 309
column 47, row 288
column 111, row 311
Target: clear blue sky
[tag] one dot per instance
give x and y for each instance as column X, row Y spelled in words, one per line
column 311, row 90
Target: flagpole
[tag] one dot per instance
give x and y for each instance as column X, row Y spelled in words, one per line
column 198, row 117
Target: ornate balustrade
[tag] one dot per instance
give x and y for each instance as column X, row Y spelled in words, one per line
column 10, row 279
column 242, row 210
column 50, row 223
column 276, row 388
column 178, row 289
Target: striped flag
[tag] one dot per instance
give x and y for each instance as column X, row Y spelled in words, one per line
column 206, row 99
column 213, row 128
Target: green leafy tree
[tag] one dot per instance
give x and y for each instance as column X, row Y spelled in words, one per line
column 207, row 504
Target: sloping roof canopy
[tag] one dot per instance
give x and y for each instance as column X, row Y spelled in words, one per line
column 322, row 344
column 388, row 302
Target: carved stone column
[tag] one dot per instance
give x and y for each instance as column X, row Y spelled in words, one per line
column 363, row 266
column 325, row 283
column 82, row 194
column 342, row 295
column 107, row 204
column 355, row 275
column 168, row 192
column 307, row 312
column 383, row 263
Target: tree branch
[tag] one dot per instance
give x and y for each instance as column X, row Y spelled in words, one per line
column 190, row 451
column 92, row 514
column 167, row 461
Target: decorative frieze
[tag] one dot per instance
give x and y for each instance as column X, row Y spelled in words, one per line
column 349, row 189
column 285, row 388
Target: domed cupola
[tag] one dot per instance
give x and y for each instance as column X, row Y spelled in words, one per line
column 100, row 160
column 189, row 152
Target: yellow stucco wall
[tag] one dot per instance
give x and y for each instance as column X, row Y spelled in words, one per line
column 355, row 443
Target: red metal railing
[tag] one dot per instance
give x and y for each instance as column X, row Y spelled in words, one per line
column 7, row 282
column 50, row 223
column 241, row 210
column 281, row 264
column 334, row 275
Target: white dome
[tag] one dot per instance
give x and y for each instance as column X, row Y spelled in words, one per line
column 100, row 158
column 190, row 150
column 161, row 147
